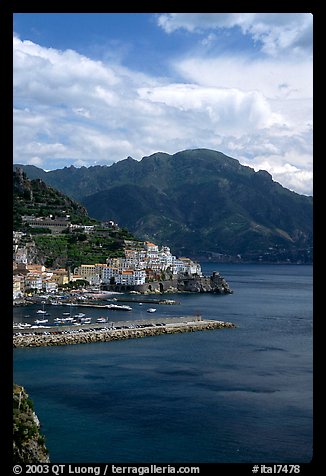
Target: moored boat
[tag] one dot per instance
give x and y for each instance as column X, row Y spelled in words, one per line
column 118, row 307
column 85, row 320
column 101, row 319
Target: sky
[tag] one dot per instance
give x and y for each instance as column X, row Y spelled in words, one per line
column 95, row 88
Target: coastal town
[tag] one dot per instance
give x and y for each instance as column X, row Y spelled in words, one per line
column 143, row 262
column 143, row 268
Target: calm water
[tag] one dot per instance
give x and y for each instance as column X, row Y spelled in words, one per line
column 232, row 395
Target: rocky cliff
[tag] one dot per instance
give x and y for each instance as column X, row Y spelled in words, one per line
column 28, row 442
column 183, row 283
column 204, row 284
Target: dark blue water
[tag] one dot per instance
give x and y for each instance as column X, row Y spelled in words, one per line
column 232, row 395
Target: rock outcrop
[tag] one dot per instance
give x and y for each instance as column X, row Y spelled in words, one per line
column 183, row 283
column 28, row 442
column 204, row 284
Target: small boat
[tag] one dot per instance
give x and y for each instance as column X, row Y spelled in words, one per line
column 85, row 320
column 151, row 309
column 101, row 319
column 80, row 314
column 41, row 321
column 66, row 313
column 41, row 311
column 118, row 307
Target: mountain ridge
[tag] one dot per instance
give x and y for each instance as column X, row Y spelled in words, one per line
column 199, row 202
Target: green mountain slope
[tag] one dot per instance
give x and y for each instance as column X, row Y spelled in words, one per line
column 71, row 247
column 34, row 197
column 199, row 202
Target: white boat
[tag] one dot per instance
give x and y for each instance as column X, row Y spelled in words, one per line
column 151, row 309
column 80, row 314
column 101, row 319
column 118, row 307
column 66, row 313
column 41, row 321
column 85, row 320
column 41, row 311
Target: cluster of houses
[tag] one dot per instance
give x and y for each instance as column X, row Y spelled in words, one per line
column 31, row 278
column 143, row 262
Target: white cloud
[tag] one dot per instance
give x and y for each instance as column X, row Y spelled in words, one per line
column 283, row 170
column 70, row 109
column 273, row 78
column 228, row 110
column 276, row 32
column 36, row 161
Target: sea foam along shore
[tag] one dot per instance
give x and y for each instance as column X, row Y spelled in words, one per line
column 107, row 334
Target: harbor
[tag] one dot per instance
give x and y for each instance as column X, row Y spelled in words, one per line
column 119, row 331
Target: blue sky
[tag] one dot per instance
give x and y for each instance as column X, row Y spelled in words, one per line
column 95, row 88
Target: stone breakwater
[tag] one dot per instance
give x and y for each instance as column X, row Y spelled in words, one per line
column 108, row 335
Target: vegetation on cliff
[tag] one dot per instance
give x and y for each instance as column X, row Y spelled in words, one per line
column 34, row 197
column 28, row 441
column 71, row 247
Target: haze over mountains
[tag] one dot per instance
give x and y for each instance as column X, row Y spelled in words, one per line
column 199, row 202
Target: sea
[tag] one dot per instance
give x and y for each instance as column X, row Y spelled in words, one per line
column 238, row 395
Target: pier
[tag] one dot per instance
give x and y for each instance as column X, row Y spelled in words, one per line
column 117, row 300
column 127, row 330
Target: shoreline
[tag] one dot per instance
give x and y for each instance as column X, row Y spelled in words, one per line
column 107, row 334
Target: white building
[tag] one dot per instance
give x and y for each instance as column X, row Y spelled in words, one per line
column 20, row 255
column 130, row 277
column 50, row 286
column 33, row 281
column 85, row 228
column 186, row 265
column 108, row 273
